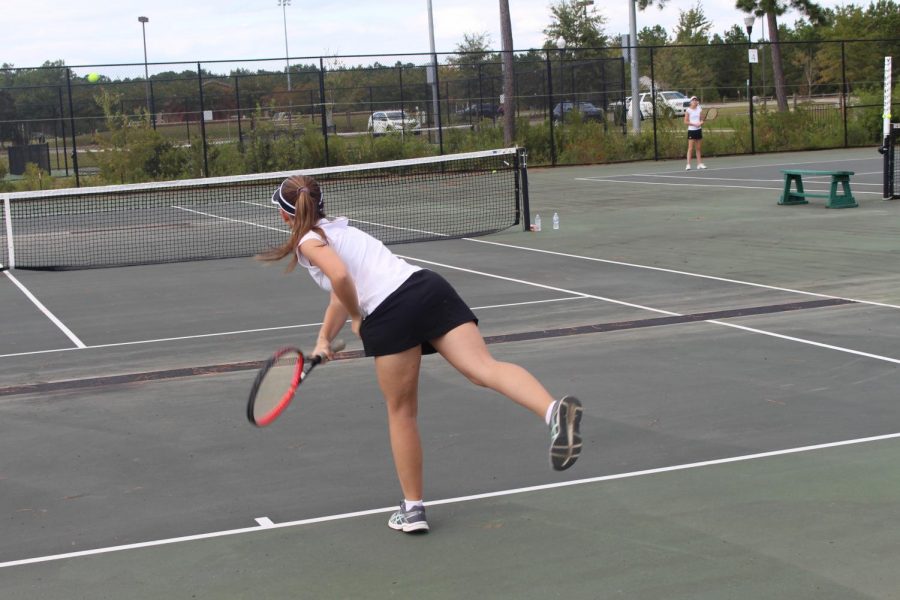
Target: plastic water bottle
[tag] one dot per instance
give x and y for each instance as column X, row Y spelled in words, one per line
column 555, row 221
column 537, row 222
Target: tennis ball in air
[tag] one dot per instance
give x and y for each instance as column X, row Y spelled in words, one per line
column 93, row 77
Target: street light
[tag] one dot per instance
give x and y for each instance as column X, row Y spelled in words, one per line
column 748, row 22
column 287, row 63
column 143, row 21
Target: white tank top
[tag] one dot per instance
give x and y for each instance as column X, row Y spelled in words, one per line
column 376, row 272
column 693, row 117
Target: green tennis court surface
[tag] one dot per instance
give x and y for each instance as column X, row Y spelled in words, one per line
column 738, row 361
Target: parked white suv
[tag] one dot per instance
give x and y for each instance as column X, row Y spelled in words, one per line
column 390, row 121
column 668, row 103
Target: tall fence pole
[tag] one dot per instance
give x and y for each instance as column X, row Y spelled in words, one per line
column 437, row 104
column 202, row 122
column 322, row 110
column 237, row 101
column 62, row 123
column 550, row 108
column 72, row 124
column 152, row 105
column 844, row 92
column 653, row 104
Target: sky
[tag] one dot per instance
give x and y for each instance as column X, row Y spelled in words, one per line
column 96, row 32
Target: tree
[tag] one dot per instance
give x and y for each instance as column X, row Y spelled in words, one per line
column 575, row 26
column 772, row 9
column 509, row 74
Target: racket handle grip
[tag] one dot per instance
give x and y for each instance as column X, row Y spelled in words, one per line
column 336, row 346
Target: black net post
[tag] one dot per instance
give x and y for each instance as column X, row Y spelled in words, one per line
column 202, row 121
column 521, row 163
column 72, row 124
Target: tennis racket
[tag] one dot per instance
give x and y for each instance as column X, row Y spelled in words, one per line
column 711, row 114
column 277, row 383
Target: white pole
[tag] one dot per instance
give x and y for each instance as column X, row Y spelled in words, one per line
column 287, row 62
column 887, row 96
column 434, row 66
column 635, row 87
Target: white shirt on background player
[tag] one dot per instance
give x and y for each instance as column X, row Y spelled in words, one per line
column 375, row 270
column 694, row 115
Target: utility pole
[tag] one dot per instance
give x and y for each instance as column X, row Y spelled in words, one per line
column 509, row 74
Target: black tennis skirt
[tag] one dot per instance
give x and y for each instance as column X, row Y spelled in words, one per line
column 695, row 134
column 425, row 307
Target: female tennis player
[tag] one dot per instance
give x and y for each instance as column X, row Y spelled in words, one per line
column 401, row 311
column 693, row 117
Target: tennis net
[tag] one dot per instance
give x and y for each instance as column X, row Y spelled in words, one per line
column 401, row 201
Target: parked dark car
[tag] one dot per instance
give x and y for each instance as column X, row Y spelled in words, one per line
column 487, row 111
column 588, row 111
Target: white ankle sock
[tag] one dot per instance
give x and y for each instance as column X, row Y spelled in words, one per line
column 549, row 415
column 411, row 504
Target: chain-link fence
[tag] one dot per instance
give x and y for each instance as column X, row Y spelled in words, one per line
column 122, row 123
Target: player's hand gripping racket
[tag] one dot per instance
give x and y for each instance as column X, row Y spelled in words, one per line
column 278, row 380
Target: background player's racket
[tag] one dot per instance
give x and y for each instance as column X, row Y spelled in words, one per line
column 711, row 114
column 277, row 382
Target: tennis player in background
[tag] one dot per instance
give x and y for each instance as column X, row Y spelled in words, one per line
column 693, row 116
column 401, row 311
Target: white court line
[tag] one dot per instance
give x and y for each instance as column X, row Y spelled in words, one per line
column 674, row 314
column 243, row 331
column 687, row 273
column 714, row 185
column 266, row 523
column 62, row 327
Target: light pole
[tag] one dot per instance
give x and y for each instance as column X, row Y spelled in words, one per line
column 635, row 81
column 143, row 21
column 287, row 62
column 748, row 22
column 435, row 106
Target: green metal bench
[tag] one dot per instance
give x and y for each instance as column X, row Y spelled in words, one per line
column 799, row 196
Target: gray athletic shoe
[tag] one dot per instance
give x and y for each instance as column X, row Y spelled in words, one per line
column 565, row 433
column 409, row 521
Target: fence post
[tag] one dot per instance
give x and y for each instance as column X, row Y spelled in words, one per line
column 202, row 121
column 72, row 124
column 437, row 104
column 402, row 109
column 322, row 110
column 844, row 92
column 62, row 123
column 237, row 98
column 152, row 105
column 550, row 108
column 653, row 104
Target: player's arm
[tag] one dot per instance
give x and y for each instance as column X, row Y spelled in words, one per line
column 335, row 317
column 343, row 290
column 687, row 118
